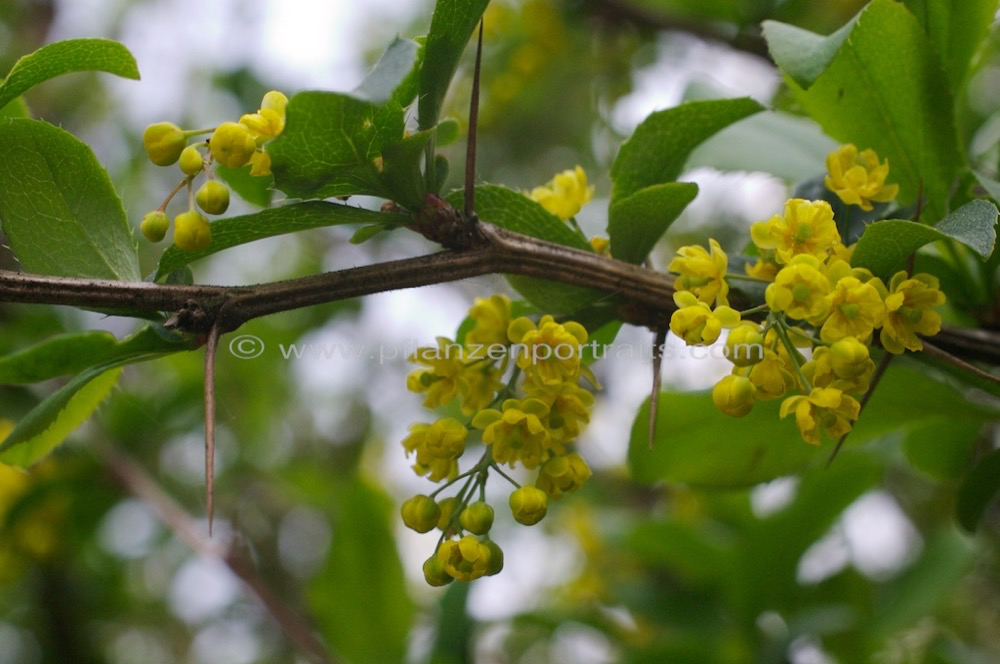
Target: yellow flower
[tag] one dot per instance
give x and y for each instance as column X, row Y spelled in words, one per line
column 565, row 194
column 517, row 433
column 806, row 227
column 529, row 504
column 702, row 273
column 823, row 370
column 908, row 312
column 232, row 144
column 734, row 395
column 764, row 268
column 563, row 474
column 549, row 352
column 696, row 323
column 466, row 559
column 420, row 513
column 772, row 376
column 441, row 381
column 601, row 245
column 745, row 344
column 858, row 179
column 569, row 409
column 492, row 317
column 799, row 289
column 825, row 408
column 855, row 309
column 438, row 447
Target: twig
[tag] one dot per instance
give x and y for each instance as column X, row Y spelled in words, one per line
column 142, row 485
column 934, row 351
column 876, row 377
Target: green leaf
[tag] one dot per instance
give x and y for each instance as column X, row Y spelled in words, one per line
column 636, row 223
column 451, row 27
column 978, row 491
column 50, row 422
column 15, row 109
column 956, row 29
column 660, row 146
column 234, row 231
column 942, row 448
column 64, row 57
column 516, row 212
column 254, row 189
column 332, row 146
column 58, row 207
column 883, row 90
column 885, row 245
column 394, row 75
column 362, row 583
column 802, row 55
column 696, row 444
column 401, row 169
column 787, row 146
column 48, row 425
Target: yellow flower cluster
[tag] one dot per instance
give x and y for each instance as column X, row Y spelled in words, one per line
column 820, row 313
column 518, row 382
column 232, row 144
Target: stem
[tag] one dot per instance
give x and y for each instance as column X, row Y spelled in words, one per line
column 779, row 329
column 876, row 377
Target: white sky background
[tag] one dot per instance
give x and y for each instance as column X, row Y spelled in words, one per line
column 302, row 44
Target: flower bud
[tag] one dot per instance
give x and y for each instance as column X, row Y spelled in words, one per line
column 448, row 507
column 213, row 197
column 495, row 562
column 745, row 345
column 232, row 144
column 191, row 161
column 734, row 395
column 477, row 518
column 154, row 225
column 529, row 505
column 164, row 142
column 850, row 358
column 192, row 231
column 434, row 573
column 420, row 513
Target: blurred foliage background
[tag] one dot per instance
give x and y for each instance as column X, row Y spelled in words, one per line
column 858, row 562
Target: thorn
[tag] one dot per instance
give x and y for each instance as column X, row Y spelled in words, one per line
column 210, row 346
column 470, row 148
column 654, row 399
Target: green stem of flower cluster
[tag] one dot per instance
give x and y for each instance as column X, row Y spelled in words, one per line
column 745, row 277
column 781, row 329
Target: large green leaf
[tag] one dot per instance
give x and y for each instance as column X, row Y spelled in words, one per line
column 451, row 26
column 956, row 29
column 362, row 583
column 394, row 75
column 660, row 146
column 332, row 145
column 636, row 223
column 885, row 245
column 233, row 231
column 58, row 207
column 64, row 57
column 514, row 211
column 696, row 444
column 50, row 422
column 882, row 90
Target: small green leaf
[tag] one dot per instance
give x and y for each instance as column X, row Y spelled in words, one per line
column 660, row 146
column 448, row 131
column 883, row 90
column 366, row 233
column 64, row 57
column 58, row 207
column 802, row 55
column 885, row 245
column 68, row 354
column 978, row 491
column 48, row 424
column 451, row 27
column 254, row 189
column 638, row 222
column 332, row 146
column 394, row 75
column 234, row 231
column 51, row 421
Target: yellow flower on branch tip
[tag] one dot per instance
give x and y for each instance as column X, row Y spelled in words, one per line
column 549, row 352
column 855, row 310
column 697, row 323
column 517, row 432
column 734, row 395
column 908, row 312
column 466, row 559
column 437, row 446
column 825, row 408
column 799, row 289
column 563, row 474
column 702, row 272
column 565, row 194
column 805, row 227
column 858, row 179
